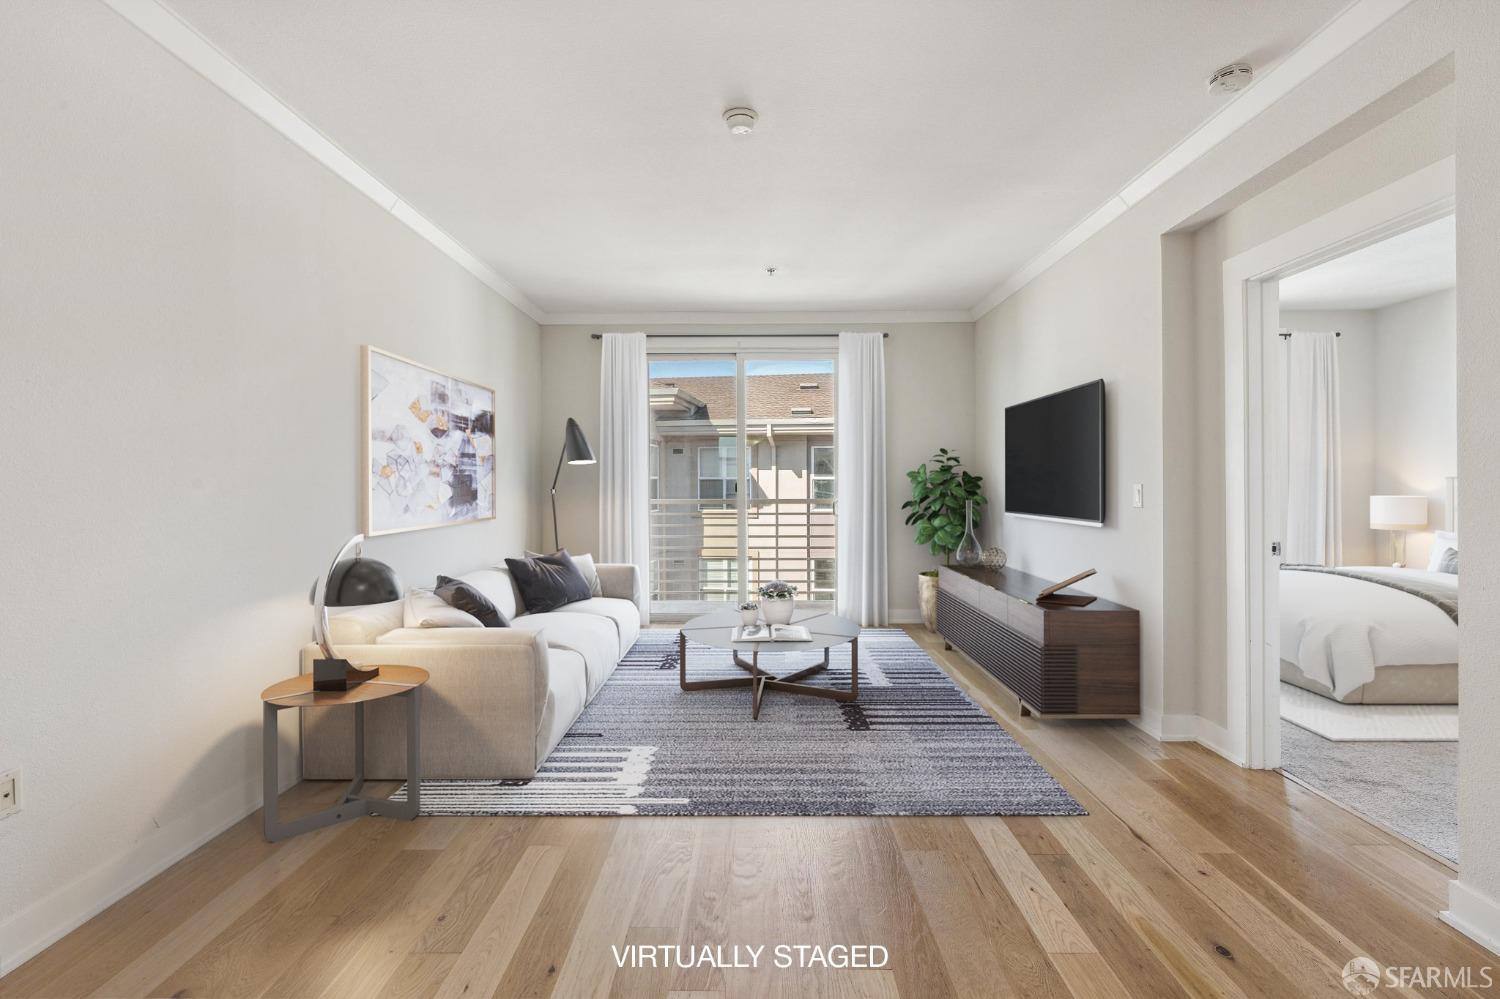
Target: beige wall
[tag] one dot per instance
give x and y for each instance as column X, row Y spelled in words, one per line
column 184, row 299
column 929, row 404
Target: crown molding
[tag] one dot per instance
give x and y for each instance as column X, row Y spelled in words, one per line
column 1332, row 40
column 633, row 319
column 199, row 54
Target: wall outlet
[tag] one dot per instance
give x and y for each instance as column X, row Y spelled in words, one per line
column 1139, row 496
column 10, row 793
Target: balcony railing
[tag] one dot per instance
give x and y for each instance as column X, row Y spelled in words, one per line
column 695, row 549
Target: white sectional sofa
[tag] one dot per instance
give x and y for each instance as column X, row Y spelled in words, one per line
column 499, row 698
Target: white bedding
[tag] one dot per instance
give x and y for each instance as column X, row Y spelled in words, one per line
column 1337, row 630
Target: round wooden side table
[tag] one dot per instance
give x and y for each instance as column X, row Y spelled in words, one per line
column 297, row 692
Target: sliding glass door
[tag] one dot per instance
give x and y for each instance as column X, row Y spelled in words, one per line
column 744, row 483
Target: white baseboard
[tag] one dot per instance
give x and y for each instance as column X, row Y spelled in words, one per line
column 1474, row 914
column 1189, row 728
column 52, row 917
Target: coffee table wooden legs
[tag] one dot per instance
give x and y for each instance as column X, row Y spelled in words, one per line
column 686, row 684
column 759, row 681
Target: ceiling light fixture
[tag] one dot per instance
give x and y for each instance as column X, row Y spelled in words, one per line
column 741, row 121
column 770, row 272
column 1231, row 79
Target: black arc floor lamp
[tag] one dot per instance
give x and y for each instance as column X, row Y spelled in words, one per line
column 575, row 451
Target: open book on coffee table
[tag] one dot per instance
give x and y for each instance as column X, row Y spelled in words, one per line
column 771, row 633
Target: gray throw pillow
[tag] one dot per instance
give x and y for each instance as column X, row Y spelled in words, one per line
column 1449, row 562
column 548, row 582
column 585, row 565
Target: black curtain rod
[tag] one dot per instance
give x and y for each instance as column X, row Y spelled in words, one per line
column 664, row 336
column 1288, row 334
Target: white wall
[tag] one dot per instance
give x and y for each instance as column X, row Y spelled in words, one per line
column 1398, row 412
column 184, row 299
column 1416, row 411
column 1403, row 142
column 1475, row 898
column 1357, row 390
column 929, row 404
column 1123, row 307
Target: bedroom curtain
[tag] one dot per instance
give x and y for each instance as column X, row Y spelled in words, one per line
column 624, row 458
column 1314, row 488
column 861, row 531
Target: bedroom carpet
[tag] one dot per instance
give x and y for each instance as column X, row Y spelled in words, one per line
column 1408, row 787
column 913, row 744
column 1369, row 722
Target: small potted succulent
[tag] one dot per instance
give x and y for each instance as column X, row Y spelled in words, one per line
column 778, row 600
column 749, row 613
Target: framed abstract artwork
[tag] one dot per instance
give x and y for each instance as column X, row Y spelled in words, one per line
column 429, row 447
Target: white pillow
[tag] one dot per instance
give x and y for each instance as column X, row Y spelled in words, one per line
column 425, row 609
column 1442, row 543
column 496, row 586
column 363, row 625
column 586, row 568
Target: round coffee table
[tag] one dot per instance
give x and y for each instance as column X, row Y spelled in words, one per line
column 825, row 631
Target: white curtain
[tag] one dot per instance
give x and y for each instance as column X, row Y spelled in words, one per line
column 624, row 463
column 861, row 549
column 1314, row 489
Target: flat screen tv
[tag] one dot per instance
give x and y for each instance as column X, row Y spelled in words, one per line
column 1054, row 456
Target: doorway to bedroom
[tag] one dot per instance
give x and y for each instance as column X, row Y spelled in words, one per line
column 1361, row 469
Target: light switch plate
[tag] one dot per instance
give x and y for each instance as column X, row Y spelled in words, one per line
column 10, row 793
column 1140, row 496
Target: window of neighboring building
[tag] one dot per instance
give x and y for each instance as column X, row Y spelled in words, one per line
column 822, row 476
column 719, row 577
column 655, row 468
column 823, row 576
column 717, row 471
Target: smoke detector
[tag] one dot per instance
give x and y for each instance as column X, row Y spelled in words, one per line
column 741, row 121
column 1231, row 79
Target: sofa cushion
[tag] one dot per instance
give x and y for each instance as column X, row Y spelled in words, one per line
column 590, row 635
column 498, row 588
column 567, row 693
column 425, row 609
column 468, row 599
column 626, row 618
column 363, row 625
column 548, row 582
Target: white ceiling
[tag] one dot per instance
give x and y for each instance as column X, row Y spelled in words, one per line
column 1417, row 262
column 909, row 156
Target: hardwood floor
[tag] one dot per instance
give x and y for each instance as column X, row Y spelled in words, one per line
column 1189, row 877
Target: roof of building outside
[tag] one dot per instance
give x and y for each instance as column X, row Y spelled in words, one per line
column 769, row 396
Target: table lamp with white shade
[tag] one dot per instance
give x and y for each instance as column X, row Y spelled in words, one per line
column 1398, row 514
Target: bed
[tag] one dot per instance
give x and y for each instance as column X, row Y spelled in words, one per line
column 1372, row 634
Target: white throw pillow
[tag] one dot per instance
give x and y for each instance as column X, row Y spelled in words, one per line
column 1442, row 543
column 586, row 567
column 363, row 625
column 425, row 609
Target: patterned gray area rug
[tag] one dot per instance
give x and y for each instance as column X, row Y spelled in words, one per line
column 913, row 744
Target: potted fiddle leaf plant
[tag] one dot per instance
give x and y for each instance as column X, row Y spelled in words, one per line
column 944, row 508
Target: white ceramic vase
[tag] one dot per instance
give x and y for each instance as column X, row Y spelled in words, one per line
column 777, row 611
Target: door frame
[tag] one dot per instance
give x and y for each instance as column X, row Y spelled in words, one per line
column 1252, row 659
